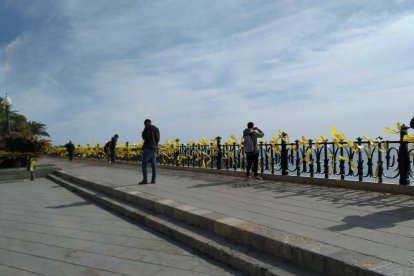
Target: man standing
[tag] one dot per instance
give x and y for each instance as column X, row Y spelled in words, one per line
column 250, row 135
column 70, row 147
column 151, row 136
column 112, row 147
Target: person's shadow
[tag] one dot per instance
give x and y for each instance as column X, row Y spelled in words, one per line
column 384, row 219
column 75, row 204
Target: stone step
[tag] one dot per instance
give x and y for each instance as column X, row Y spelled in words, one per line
column 243, row 258
column 302, row 252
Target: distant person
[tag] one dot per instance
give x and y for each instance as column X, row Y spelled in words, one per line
column 110, row 148
column 250, row 135
column 107, row 150
column 70, row 147
column 151, row 136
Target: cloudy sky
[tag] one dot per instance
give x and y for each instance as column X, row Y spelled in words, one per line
column 89, row 69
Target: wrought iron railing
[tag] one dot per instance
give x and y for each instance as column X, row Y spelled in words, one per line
column 372, row 160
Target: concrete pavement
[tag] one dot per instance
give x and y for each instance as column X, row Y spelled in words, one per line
column 375, row 224
column 47, row 230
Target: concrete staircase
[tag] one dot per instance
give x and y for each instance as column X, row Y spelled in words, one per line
column 251, row 248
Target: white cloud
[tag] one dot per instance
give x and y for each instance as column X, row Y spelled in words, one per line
column 203, row 69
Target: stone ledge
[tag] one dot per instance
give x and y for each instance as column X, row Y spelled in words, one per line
column 23, row 173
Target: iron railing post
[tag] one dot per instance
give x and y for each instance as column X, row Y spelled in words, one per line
column 380, row 162
column 234, row 156
column 284, row 156
column 261, row 157
column 342, row 161
column 127, row 151
column 311, row 165
column 177, row 152
column 219, row 153
column 326, row 159
column 211, row 155
column 297, row 158
column 404, row 158
column 360, row 161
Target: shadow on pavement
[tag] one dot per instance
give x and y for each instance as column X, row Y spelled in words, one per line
column 376, row 220
column 337, row 196
column 230, row 183
column 402, row 207
column 69, row 205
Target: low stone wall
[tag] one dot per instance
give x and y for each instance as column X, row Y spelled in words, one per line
column 23, row 173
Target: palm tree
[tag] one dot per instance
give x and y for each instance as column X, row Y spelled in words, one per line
column 38, row 129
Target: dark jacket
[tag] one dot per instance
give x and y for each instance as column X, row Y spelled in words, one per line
column 151, row 136
column 254, row 134
column 70, row 147
column 112, row 146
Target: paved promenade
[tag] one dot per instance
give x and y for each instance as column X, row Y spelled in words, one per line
column 380, row 225
column 47, row 230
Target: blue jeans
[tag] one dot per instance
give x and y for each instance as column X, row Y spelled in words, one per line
column 149, row 155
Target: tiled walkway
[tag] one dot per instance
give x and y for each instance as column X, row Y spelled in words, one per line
column 376, row 224
column 47, row 230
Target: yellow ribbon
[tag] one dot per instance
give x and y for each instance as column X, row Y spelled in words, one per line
column 274, row 143
column 332, row 162
column 350, row 161
column 337, row 137
column 308, row 155
column 32, row 164
column 408, row 138
column 393, row 131
column 292, row 148
column 318, row 142
column 376, row 176
column 304, row 141
column 285, row 138
column 374, row 143
column 181, row 158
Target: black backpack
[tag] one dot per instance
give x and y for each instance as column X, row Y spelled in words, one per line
column 412, row 123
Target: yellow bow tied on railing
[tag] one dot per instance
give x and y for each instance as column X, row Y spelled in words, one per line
column 308, row 156
column 350, row 161
column 318, row 142
column 393, row 131
column 181, row 158
column 303, row 141
column 332, row 163
column 292, row 148
column 409, row 139
column 377, row 171
column 285, row 138
column 374, row 143
column 338, row 138
column 275, row 145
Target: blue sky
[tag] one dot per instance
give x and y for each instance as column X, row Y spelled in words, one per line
column 89, row 69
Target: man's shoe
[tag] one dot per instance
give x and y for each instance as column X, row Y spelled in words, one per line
column 152, row 181
column 143, row 182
